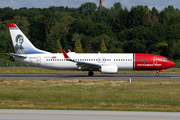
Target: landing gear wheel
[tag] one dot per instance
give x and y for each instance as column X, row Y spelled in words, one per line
column 157, row 74
column 90, row 73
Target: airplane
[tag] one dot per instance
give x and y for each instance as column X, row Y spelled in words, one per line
column 106, row 63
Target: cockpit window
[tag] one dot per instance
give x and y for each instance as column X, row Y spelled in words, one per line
column 164, row 59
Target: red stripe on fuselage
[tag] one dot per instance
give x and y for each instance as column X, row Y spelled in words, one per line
column 150, row 62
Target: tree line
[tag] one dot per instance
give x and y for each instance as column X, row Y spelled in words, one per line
column 91, row 29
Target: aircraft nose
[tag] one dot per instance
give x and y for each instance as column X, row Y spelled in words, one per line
column 171, row 64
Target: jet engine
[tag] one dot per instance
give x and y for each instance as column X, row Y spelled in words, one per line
column 110, row 69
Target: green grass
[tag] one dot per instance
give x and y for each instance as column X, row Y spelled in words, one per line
column 37, row 70
column 90, row 95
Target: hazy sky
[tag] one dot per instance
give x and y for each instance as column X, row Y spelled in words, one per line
column 15, row 4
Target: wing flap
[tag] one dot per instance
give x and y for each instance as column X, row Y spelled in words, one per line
column 87, row 65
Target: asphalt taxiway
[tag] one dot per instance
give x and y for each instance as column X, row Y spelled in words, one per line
column 86, row 77
column 17, row 114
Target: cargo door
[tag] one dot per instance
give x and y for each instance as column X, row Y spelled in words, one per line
column 38, row 60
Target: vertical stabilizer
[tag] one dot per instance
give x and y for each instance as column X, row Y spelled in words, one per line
column 21, row 43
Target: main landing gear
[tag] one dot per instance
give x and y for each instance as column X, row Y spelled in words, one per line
column 90, row 73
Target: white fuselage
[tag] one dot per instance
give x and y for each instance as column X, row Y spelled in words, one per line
column 58, row 62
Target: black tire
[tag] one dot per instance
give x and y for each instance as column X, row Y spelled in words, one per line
column 90, row 73
column 157, row 74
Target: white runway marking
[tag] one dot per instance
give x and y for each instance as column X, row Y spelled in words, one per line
column 18, row 114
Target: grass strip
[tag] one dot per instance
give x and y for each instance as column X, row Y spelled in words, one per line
column 90, row 95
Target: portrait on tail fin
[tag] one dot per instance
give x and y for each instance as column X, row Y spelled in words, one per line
column 19, row 49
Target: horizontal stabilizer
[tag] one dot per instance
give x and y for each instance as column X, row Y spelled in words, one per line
column 16, row 55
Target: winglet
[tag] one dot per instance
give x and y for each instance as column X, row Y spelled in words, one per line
column 65, row 55
column 69, row 50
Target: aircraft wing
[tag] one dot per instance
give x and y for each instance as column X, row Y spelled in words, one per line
column 16, row 55
column 82, row 65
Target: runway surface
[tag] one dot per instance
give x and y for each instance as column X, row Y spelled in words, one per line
column 86, row 77
column 16, row 114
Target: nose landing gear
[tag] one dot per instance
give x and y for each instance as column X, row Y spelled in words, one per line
column 157, row 74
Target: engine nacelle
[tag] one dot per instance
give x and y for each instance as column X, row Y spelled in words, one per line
column 109, row 69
